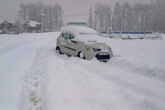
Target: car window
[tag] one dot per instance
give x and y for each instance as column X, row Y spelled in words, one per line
column 71, row 36
column 65, row 35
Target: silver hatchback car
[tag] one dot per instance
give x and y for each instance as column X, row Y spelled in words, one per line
column 82, row 42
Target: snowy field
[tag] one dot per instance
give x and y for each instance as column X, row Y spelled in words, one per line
column 153, row 36
column 34, row 77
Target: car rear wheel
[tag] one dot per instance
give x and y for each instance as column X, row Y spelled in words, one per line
column 81, row 55
column 58, row 50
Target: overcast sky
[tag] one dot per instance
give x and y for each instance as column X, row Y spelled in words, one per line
column 9, row 8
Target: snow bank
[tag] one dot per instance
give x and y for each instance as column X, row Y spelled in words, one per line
column 154, row 36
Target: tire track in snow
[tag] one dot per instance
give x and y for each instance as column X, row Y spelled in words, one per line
column 146, row 92
column 149, row 98
column 152, row 72
column 74, row 87
column 34, row 87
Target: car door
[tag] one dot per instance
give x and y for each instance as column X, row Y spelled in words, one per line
column 72, row 44
column 64, row 42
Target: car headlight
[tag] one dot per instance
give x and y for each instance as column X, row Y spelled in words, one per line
column 92, row 49
column 88, row 48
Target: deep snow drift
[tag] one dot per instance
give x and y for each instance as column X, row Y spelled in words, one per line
column 34, row 77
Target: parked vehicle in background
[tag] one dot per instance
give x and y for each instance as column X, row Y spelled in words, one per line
column 82, row 42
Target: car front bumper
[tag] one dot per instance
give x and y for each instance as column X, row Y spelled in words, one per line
column 101, row 56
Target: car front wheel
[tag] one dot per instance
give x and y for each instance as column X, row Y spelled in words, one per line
column 58, row 50
column 81, row 55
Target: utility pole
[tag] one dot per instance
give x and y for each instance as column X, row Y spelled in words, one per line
column 42, row 17
column 111, row 19
column 126, row 18
column 26, row 20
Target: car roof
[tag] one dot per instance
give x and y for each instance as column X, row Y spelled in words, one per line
column 78, row 30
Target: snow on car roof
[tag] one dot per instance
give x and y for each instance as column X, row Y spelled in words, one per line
column 78, row 30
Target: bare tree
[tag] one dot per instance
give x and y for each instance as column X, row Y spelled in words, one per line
column 23, row 12
column 103, row 15
column 90, row 20
column 52, row 14
column 138, row 17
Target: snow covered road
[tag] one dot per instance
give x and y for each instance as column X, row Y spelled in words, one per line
column 34, row 77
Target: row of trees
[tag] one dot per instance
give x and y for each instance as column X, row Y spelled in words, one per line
column 126, row 17
column 123, row 17
column 49, row 16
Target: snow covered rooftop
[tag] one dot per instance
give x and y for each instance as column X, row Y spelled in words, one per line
column 33, row 23
column 1, row 21
column 78, row 30
column 12, row 22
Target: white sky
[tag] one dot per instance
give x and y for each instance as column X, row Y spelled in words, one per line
column 9, row 8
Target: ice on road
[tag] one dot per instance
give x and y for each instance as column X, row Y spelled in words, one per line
column 34, row 77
